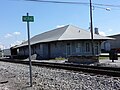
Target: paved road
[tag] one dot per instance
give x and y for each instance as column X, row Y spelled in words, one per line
column 104, row 62
column 109, row 62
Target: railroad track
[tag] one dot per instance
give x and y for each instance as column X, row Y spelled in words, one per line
column 110, row 71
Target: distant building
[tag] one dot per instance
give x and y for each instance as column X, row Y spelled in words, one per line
column 105, row 46
column 61, row 42
column 0, row 52
column 112, row 44
column 5, row 53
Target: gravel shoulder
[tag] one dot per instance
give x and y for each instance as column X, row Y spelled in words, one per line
column 16, row 77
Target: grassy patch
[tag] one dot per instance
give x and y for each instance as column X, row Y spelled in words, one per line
column 59, row 58
column 100, row 58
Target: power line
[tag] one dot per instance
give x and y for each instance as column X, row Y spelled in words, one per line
column 63, row 2
column 110, row 5
column 84, row 3
column 95, row 5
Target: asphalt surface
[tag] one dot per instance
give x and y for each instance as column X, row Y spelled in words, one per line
column 109, row 62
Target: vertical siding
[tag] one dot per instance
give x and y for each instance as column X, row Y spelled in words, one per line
column 115, row 43
column 45, row 50
column 87, row 52
column 40, row 51
column 59, row 49
column 26, row 51
column 79, row 48
column 22, row 52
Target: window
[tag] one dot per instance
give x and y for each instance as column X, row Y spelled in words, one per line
column 87, row 47
column 18, row 50
column 79, row 47
column 68, row 49
column 41, row 47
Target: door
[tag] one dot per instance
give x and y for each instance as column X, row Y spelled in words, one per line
column 96, row 49
column 68, row 49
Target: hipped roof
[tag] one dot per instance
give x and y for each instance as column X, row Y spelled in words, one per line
column 68, row 32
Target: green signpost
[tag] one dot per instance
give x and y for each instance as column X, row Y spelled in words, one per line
column 29, row 19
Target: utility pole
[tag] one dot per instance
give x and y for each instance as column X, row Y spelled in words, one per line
column 91, row 28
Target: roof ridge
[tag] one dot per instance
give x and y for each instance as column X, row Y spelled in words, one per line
column 49, row 31
column 70, row 29
column 64, row 31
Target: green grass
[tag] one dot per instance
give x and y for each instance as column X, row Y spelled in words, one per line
column 101, row 58
column 59, row 58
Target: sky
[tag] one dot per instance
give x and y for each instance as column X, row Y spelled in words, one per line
column 48, row 16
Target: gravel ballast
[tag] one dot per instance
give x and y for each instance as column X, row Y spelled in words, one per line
column 16, row 77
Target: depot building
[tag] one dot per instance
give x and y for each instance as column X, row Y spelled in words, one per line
column 63, row 42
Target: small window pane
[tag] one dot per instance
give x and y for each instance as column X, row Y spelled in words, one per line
column 87, row 47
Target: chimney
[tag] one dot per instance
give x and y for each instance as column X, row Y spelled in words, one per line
column 96, row 31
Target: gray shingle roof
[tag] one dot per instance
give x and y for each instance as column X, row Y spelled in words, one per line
column 68, row 32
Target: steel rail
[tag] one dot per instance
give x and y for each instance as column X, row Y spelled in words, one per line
column 109, row 71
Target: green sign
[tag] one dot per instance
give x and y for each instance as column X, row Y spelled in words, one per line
column 28, row 19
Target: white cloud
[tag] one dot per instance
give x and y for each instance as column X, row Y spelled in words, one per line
column 16, row 43
column 11, row 35
column 11, row 45
column 8, row 35
column 102, row 33
column 58, row 26
column 1, row 47
column 110, row 30
column 16, row 33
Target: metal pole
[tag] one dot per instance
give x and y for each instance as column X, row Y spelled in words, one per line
column 30, row 64
column 91, row 28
